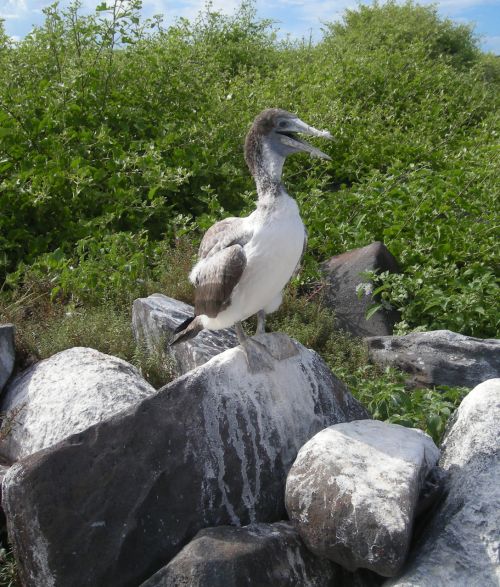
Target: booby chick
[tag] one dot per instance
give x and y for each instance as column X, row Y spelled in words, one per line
column 244, row 263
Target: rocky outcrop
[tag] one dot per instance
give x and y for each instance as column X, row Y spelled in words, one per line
column 213, row 447
column 258, row 554
column 7, row 353
column 154, row 320
column 63, row 395
column 344, row 275
column 439, row 357
column 461, row 544
column 353, row 492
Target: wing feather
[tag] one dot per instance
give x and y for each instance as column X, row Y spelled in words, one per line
column 221, row 262
column 216, row 278
column 223, row 234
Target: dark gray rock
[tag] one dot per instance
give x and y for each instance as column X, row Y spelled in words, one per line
column 438, row 357
column 258, row 555
column 154, row 320
column 344, row 274
column 354, row 489
column 7, row 353
column 461, row 545
column 113, row 504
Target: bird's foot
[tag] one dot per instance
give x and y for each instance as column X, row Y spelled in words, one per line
column 278, row 345
column 258, row 357
column 261, row 322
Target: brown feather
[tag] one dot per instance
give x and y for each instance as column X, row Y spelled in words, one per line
column 222, row 234
column 220, row 276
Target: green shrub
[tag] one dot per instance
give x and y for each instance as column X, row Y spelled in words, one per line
column 116, row 133
column 8, row 569
column 121, row 142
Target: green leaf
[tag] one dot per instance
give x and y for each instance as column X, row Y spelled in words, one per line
column 371, row 310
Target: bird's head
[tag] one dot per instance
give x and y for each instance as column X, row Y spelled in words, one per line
column 273, row 136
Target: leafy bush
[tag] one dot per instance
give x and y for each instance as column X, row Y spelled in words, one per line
column 121, row 141
column 116, row 134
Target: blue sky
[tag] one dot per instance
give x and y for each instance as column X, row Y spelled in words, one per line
column 295, row 17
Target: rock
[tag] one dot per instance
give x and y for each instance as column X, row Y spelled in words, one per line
column 439, row 357
column 7, row 353
column 258, row 554
column 63, row 395
column 4, row 467
column 353, row 492
column 344, row 274
column 211, row 448
column 154, row 320
column 461, row 544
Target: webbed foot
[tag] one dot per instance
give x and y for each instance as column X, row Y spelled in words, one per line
column 261, row 322
column 258, row 357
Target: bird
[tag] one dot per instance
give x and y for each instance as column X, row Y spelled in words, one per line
column 244, row 263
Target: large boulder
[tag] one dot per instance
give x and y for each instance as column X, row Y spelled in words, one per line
column 461, row 544
column 258, row 554
column 353, row 492
column 7, row 353
column 349, row 292
column 213, row 447
column 63, row 395
column 438, row 357
column 154, row 320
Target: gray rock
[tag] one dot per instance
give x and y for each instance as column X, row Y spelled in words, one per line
column 213, row 447
column 258, row 554
column 154, row 320
column 438, row 357
column 461, row 545
column 63, row 395
column 4, row 467
column 7, row 353
column 353, row 492
column 344, row 275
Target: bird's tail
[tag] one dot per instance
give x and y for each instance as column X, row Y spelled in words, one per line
column 188, row 329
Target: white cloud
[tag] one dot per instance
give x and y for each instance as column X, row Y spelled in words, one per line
column 11, row 9
column 491, row 43
column 189, row 9
column 295, row 17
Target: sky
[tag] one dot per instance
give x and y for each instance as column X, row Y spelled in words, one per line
column 298, row 18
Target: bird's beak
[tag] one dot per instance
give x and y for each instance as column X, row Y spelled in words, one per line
column 288, row 138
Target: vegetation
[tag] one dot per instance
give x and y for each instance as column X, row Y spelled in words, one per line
column 121, row 141
column 8, row 569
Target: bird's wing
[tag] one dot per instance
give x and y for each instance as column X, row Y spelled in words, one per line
column 223, row 234
column 216, row 280
column 304, row 247
column 222, row 261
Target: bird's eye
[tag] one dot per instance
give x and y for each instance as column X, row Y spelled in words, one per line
column 282, row 124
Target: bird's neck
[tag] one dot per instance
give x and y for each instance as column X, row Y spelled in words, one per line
column 267, row 171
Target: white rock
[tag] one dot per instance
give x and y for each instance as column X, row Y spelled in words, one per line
column 462, row 543
column 66, row 394
column 353, row 492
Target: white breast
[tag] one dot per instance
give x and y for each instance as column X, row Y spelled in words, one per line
column 272, row 256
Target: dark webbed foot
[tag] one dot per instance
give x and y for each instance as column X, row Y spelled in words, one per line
column 258, row 357
column 261, row 322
